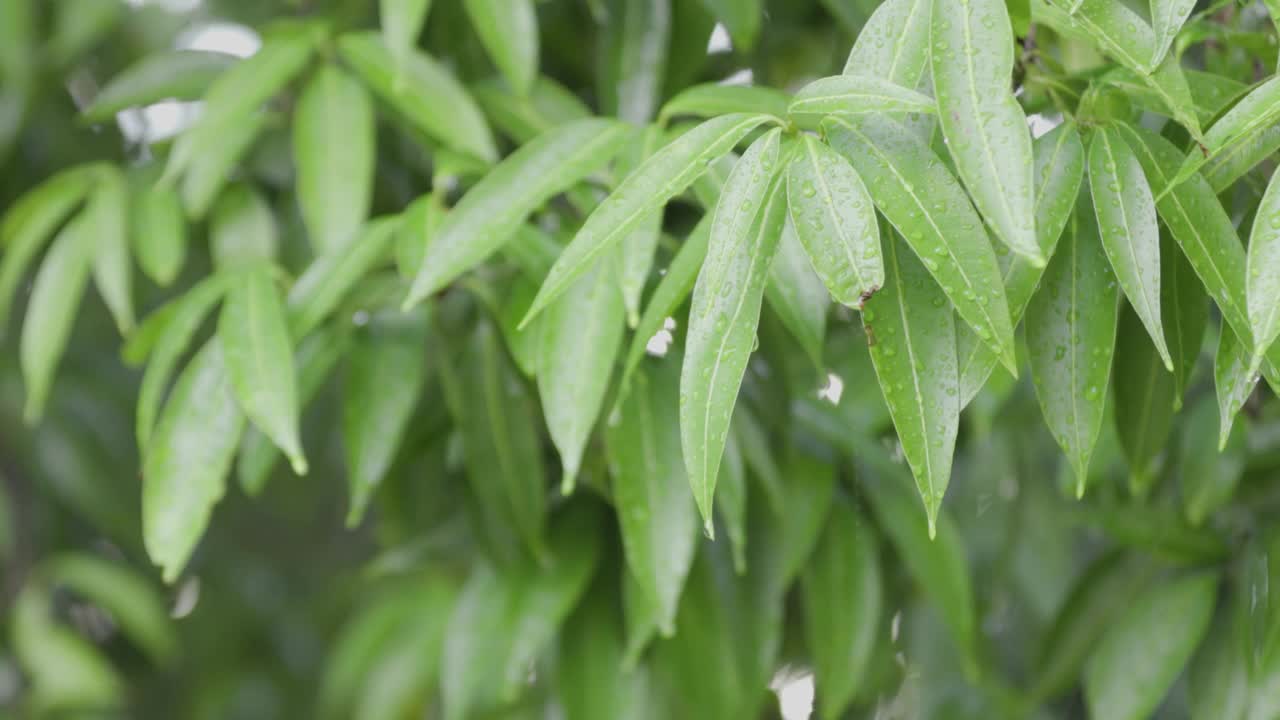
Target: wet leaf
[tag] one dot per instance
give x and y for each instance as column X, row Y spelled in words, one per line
column 894, row 43
column 1167, row 17
column 711, row 99
column 1209, row 473
column 402, row 22
column 1185, row 308
column 159, row 232
column 1243, row 124
column 634, row 260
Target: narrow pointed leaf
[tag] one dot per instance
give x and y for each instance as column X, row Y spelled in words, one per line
column 1138, row 660
column 745, row 232
column 836, row 222
column 423, row 91
column 984, row 126
column 1263, row 276
column 329, row 278
column 633, row 58
column 1250, row 118
column 913, row 348
column 927, row 205
column 184, row 470
column 159, row 232
column 259, row 359
column 1209, row 476
column 522, row 118
column 333, row 151
column 1185, row 309
column 843, row 599
column 581, row 333
column 52, row 311
column 1231, row 164
column 107, row 213
column 1059, row 171
column 508, row 29
column 731, row 492
column 634, row 260
column 401, row 22
column 1144, row 398
column 209, row 170
column 1071, row 337
column 1127, row 222
column 491, row 212
column 857, row 95
column 1167, row 17
column 894, row 44
column 668, row 172
column 796, row 294
column 711, row 99
column 1233, row 383
column 167, row 75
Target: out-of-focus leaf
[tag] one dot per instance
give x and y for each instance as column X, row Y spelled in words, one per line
column 509, row 31
column 658, row 520
column 522, row 118
column 78, row 26
column 1232, row 381
column 797, row 295
column 107, row 213
column 259, row 358
column 401, row 22
column 592, row 680
column 1263, row 276
column 333, row 150
column 1144, row 397
column 423, row 91
column 1247, row 122
column 330, row 277
column 159, row 231
column 490, row 213
column 162, row 75
column 847, row 95
column 744, row 236
column 927, row 205
column 634, row 259
column 666, row 173
column 1071, row 336
column 133, row 603
column 185, row 466
column 842, row 594
column 984, row 126
column 1185, row 308
column 633, row 57
column 743, row 19
column 1209, row 474
column 1141, row 655
column 712, row 99
column 1218, row 677
column 209, row 170
column 242, row 230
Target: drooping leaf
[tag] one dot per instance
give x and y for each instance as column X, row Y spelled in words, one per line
column 1127, row 222
column 847, row 95
column 522, row 118
column 894, row 44
column 185, row 467
column 634, row 259
column 1232, row 381
column 1209, row 474
column 711, row 99
column 797, row 295
column 164, row 75
column 373, row 419
column 209, row 170
column 402, row 22
column 65, row 671
column 489, row 214
column 731, row 491
column 1232, row 163
column 633, row 56
column 159, row 231
column 666, row 173
column 1141, row 655
column 333, row 151
column 51, row 312
column 843, row 600
column 581, row 333
column 1071, row 336
column 1243, row 124
column 1167, row 17
column 745, row 232
column 1059, row 170
column 1144, row 397
column 509, row 31
column 836, row 222
column 911, row 332
column 657, row 516
column 242, row 229
column 984, row 126
column 1262, row 288
column 259, row 358
column 330, row 277
column 107, row 213
column 423, row 91
column 1185, row 308
column 927, row 205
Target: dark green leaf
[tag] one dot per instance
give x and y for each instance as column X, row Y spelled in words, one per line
column 1144, row 397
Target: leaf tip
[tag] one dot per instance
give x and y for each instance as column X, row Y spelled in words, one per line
column 709, row 529
column 568, row 481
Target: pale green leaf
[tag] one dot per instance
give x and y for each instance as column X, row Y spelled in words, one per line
column 242, row 229
column 107, row 213
column 1209, row 475
column 64, row 671
column 523, row 118
column 633, row 58
column 159, row 232
column 508, row 29
column 401, row 23
column 1263, row 276
column 163, row 75
column 711, row 99
column 209, row 170
column 1245, row 123
column 894, row 44
column 634, row 259
column 1167, row 17
column 857, row 95
column 731, row 492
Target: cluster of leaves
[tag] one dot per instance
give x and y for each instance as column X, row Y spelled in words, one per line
column 458, row 247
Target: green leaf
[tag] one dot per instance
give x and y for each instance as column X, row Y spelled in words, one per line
column 374, row 420
column 402, row 22
column 911, row 332
column 662, row 176
column 135, row 606
column 1209, row 474
column 1103, row 591
column 743, row 19
column 633, row 58
column 592, row 680
column 984, row 126
column 1127, row 222
column 1218, row 677
column 31, row 220
column 1138, row 660
column 745, row 232
column 731, row 491
column 651, row 493
column 1232, row 381
column 711, row 99
column 675, row 286
column 51, row 312
column 634, row 260
column 427, row 95
column 842, row 594
column 491, row 212
column 1167, row 17
column 160, row 75
column 797, row 295
column 333, row 151
column 1254, row 116
column 1263, row 277
column 182, row 318
column 1071, row 337
column 64, row 670
column 836, row 223
column 1229, row 165
column 1185, row 309
column 1144, row 399
column 209, row 170
column 522, row 118
column 1059, row 170
column 159, row 232
column 847, row 95
column 185, row 467
column 242, row 230
column 329, row 278
column 107, row 213
column 927, row 205
column 259, row 358
column 894, row 44
column 508, row 29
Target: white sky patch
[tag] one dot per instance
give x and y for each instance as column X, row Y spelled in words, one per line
column 832, row 391
column 660, row 343
column 720, row 42
column 1041, row 123
column 795, row 695
column 742, row 77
